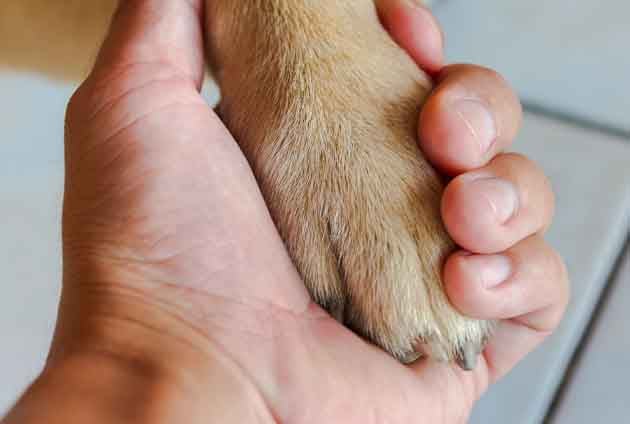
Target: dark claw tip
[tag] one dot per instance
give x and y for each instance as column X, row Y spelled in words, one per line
column 468, row 357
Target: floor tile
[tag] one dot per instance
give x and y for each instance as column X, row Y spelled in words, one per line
column 590, row 172
column 563, row 55
column 597, row 390
column 30, row 271
column 31, row 184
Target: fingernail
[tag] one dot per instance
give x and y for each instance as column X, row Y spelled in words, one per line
column 500, row 195
column 479, row 122
column 492, row 270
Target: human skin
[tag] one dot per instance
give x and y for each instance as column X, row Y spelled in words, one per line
column 180, row 303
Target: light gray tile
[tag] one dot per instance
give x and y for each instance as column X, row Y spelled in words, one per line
column 570, row 56
column 30, row 272
column 591, row 175
column 31, row 178
column 31, row 121
column 597, row 391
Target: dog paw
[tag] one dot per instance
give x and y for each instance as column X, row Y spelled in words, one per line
column 330, row 131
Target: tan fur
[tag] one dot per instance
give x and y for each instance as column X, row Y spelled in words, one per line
column 325, row 107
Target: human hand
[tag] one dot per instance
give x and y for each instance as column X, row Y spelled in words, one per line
column 175, row 277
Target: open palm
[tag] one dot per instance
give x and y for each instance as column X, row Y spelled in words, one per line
column 162, row 209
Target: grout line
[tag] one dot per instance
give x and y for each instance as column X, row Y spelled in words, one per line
column 576, row 358
column 579, row 121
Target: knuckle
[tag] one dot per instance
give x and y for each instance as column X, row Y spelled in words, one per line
column 491, row 78
column 516, row 161
column 558, row 270
column 550, row 202
column 509, row 105
column 501, row 84
column 492, row 75
column 523, row 168
column 555, row 318
column 564, row 277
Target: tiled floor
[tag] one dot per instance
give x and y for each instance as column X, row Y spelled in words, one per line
column 31, row 182
column 562, row 56
column 597, row 388
column 30, row 271
column 567, row 56
column 589, row 230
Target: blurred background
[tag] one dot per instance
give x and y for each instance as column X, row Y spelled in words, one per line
column 568, row 60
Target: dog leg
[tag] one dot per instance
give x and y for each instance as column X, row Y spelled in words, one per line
column 325, row 106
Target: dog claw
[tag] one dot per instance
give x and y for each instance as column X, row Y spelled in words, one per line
column 468, row 357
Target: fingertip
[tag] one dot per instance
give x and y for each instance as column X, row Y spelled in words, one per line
column 416, row 30
column 457, row 280
column 469, row 217
column 472, row 115
column 155, row 31
column 446, row 129
column 470, row 281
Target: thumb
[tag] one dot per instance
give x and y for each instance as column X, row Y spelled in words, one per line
column 152, row 57
column 156, row 32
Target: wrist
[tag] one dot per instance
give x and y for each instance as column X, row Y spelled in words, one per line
column 99, row 388
column 129, row 362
